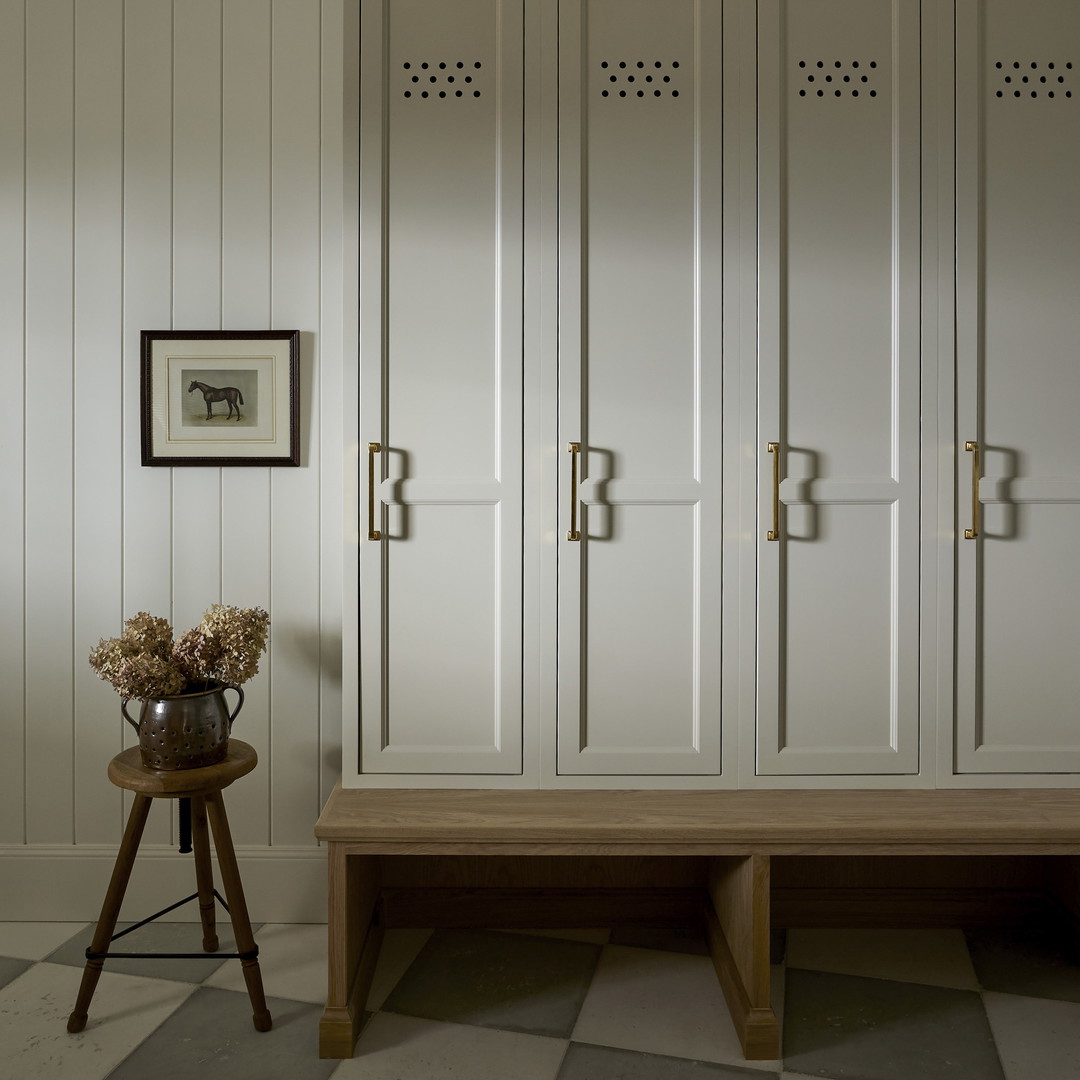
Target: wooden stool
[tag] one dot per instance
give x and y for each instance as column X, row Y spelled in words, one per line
column 203, row 787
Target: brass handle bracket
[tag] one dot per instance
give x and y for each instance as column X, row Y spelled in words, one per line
column 774, row 532
column 574, row 450
column 973, row 448
column 373, row 448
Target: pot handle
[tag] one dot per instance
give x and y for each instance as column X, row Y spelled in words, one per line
column 127, row 716
column 239, row 704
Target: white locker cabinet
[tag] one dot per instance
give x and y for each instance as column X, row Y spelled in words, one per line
column 839, row 353
column 441, row 384
column 662, row 406
column 640, row 382
column 1018, row 386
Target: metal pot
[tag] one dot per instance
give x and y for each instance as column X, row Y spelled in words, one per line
column 185, row 731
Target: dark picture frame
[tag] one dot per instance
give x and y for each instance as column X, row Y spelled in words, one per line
column 220, row 397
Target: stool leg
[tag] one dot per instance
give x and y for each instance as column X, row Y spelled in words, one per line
column 234, row 895
column 204, row 872
column 110, row 909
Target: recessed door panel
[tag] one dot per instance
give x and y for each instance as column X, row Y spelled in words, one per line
column 838, row 649
column 1030, row 626
column 839, row 146
column 441, row 385
column 1018, row 239
column 442, row 692
column 640, row 383
column 640, row 636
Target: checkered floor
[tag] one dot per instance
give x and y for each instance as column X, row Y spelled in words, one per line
column 588, row 1005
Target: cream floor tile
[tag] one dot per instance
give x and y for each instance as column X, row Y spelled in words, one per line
column 1036, row 1038
column 35, row 940
column 292, row 959
column 930, row 957
column 404, row 1048
column 34, row 1041
column 399, row 950
column 661, row 1003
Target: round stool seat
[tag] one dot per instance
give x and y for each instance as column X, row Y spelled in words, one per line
column 126, row 770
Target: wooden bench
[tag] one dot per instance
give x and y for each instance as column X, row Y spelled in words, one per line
column 532, row 859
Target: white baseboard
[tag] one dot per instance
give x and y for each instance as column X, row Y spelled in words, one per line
column 55, row 883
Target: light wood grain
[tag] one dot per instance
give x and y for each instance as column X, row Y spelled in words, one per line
column 353, row 943
column 737, row 930
column 757, row 1027
column 739, row 892
column 572, row 858
column 704, row 822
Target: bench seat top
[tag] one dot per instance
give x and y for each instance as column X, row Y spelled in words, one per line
column 482, row 821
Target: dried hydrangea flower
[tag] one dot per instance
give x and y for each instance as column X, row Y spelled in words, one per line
column 148, row 676
column 144, row 662
column 196, row 656
column 240, row 637
column 107, row 657
column 148, row 634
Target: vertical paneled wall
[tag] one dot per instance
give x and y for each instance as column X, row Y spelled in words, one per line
column 166, row 164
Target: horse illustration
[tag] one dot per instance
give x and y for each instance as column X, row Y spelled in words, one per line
column 229, row 394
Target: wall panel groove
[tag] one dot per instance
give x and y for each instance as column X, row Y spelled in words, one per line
column 12, row 431
column 165, row 165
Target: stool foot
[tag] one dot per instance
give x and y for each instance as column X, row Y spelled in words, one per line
column 260, row 1015
column 77, row 1019
column 238, row 913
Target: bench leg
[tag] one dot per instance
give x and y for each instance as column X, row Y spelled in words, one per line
column 737, row 930
column 110, row 909
column 234, row 896
column 354, row 939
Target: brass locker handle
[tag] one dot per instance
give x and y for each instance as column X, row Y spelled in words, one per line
column 372, row 449
column 774, row 532
column 973, row 532
column 575, row 450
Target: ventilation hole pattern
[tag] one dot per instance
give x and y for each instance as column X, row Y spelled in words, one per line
column 836, row 78
column 639, row 78
column 1032, row 79
column 441, row 79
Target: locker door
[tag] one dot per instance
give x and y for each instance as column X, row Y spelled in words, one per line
column 1018, row 403
column 839, row 280
column 441, row 383
column 640, row 386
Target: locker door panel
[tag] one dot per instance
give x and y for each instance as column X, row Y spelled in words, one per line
column 441, row 384
column 839, row 145
column 640, row 384
column 1018, row 396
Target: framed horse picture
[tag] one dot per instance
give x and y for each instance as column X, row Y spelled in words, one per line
column 220, row 397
